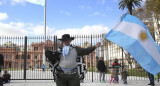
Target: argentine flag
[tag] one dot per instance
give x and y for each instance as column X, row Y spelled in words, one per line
column 39, row 2
column 133, row 35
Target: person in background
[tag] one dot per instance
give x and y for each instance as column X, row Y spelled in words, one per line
column 113, row 75
column 1, row 83
column 6, row 77
column 116, row 65
column 1, row 64
column 101, row 69
column 151, row 79
column 43, row 67
column 124, row 74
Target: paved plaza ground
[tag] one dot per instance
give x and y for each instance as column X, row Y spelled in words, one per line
column 86, row 83
column 132, row 80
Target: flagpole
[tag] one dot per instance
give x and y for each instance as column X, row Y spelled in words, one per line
column 44, row 59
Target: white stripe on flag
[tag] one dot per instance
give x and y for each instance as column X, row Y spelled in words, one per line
column 133, row 30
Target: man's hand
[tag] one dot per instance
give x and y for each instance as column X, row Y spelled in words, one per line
column 98, row 44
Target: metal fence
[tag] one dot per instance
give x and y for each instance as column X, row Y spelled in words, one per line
column 23, row 57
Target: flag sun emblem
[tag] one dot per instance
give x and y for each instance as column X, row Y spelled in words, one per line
column 143, row 35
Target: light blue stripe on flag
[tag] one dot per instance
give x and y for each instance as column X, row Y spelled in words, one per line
column 127, row 34
column 133, row 19
column 39, row 2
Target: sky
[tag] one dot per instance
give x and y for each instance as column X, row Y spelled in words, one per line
column 21, row 18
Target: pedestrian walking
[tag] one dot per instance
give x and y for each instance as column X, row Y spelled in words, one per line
column 113, row 75
column 101, row 69
column 151, row 79
column 116, row 65
column 124, row 75
column 43, row 67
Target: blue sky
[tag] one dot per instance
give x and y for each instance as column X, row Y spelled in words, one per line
column 18, row 17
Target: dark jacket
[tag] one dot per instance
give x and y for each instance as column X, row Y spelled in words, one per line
column 101, row 66
column 1, row 60
column 116, row 65
column 124, row 75
column 53, row 57
column 6, row 77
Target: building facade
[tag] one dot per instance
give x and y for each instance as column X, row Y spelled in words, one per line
column 14, row 55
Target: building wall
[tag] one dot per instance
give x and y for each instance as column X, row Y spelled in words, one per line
column 14, row 56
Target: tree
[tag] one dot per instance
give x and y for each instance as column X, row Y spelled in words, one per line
column 153, row 10
column 148, row 13
column 129, row 4
column 146, row 17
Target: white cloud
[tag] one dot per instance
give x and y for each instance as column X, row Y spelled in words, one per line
column 12, row 29
column 13, row 2
column 94, row 29
column 39, row 30
column 64, row 12
column 23, row 29
column 18, row 24
column 3, row 16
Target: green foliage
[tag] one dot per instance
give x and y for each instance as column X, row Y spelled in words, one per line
column 138, row 72
column 133, row 72
column 11, row 69
column 153, row 6
column 146, row 13
column 90, row 69
column 129, row 4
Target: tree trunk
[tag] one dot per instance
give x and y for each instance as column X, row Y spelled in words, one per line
column 128, row 58
column 129, row 6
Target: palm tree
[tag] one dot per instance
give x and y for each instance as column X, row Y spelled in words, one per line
column 129, row 4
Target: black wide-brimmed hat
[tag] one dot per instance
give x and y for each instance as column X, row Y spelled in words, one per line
column 66, row 36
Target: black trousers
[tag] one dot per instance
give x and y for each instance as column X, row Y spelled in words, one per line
column 68, row 80
column 151, row 78
column 1, row 83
